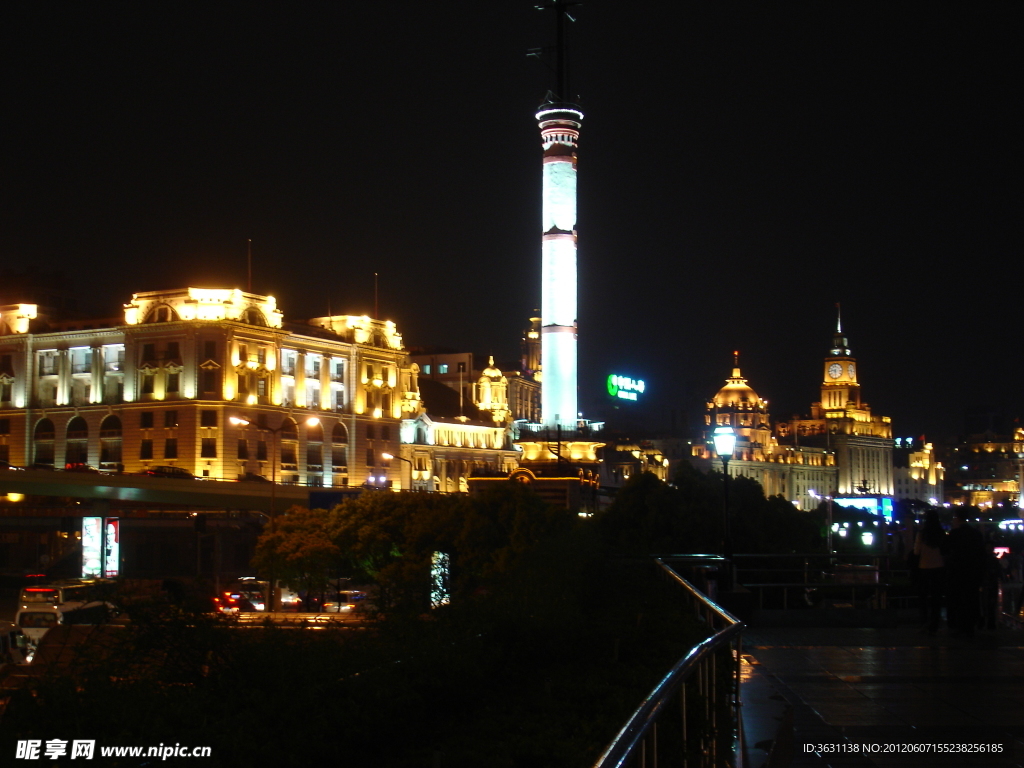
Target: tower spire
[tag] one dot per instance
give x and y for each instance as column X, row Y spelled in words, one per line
column 559, row 122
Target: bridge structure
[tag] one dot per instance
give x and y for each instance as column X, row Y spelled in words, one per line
column 145, row 490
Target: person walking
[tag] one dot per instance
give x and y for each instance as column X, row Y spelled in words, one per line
column 931, row 567
column 965, row 568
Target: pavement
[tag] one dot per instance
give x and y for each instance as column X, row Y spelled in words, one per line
column 890, row 697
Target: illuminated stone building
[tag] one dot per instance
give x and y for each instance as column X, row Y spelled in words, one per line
column 917, row 474
column 843, row 423
column 509, row 395
column 800, row 473
column 985, row 469
column 159, row 386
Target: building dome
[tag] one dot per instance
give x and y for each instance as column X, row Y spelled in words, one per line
column 736, row 394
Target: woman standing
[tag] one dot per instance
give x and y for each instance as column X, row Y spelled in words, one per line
column 931, row 567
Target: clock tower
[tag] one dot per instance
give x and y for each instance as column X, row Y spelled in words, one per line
column 839, row 387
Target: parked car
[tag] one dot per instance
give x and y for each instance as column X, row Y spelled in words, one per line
column 179, row 472
column 81, row 468
column 255, row 478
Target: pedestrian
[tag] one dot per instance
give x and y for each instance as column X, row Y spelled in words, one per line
column 965, row 569
column 931, row 567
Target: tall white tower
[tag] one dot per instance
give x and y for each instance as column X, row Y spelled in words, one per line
column 560, row 132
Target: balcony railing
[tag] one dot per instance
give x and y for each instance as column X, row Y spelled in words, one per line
column 703, row 685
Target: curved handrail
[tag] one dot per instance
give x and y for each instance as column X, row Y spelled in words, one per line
column 641, row 721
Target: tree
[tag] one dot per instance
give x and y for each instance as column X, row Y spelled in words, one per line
column 299, row 551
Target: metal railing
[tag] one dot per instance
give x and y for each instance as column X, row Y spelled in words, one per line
column 784, row 581
column 694, row 709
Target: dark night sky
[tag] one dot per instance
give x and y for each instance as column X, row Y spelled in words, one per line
column 742, row 169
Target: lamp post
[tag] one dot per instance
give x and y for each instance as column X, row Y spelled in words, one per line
column 312, row 421
column 390, row 456
column 724, row 438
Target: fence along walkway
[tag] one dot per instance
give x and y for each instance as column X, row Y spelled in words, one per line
column 691, row 718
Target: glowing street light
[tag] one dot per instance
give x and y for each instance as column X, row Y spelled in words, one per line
column 724, row 438
column 390, row 456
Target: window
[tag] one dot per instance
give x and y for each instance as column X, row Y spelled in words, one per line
column 261, row 356
column 243, row 448
column 209, row 448
column 314, row 454
column 208, row 418
column 371, row 457
column 339, row 456
column 243, row 384
column 5, row 391
column 171, row 448
column 173, row 351
column 147, row 384
column 385, row 432
column 371, row 433
column 261, row 450
column 5, row 426
column 442, row 368
column 7, row 364
column 170, row 418
column 288, row 453
column 261, row 387
column 209, row 380
column 172, row 382
column 426, row 369
column 148, row 352
column 146, row 449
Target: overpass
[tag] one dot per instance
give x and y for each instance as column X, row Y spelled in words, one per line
column 216, row 494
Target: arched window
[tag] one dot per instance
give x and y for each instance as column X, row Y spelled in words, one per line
column 314, row 448
column 339, row 449
column 44, row 435
column 110, row 441
column 289, row 445
column 78, row 442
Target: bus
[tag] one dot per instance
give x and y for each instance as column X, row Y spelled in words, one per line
column 66, row 595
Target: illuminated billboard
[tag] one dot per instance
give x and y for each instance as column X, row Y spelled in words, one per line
column 625, row 388
column 875, row 505
column 92, row 547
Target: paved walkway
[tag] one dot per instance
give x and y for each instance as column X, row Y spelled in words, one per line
column 851, row 687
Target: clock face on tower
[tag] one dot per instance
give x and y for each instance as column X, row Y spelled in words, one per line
column 851, row 370
column 835, row 370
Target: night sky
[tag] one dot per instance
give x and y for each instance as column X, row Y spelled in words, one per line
column 742, row 169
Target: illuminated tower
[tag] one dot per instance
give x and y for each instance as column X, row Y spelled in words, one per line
column 559, row 122
column 560, row 132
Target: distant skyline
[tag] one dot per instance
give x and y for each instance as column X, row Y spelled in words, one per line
column 742, row 169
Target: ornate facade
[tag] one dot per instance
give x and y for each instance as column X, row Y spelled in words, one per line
column 802, row 474
column 842, row 422
column 159, row 387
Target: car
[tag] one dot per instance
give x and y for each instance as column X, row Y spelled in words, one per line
column 79, row 467
column 8, row 465
column 254, row 477
column 179, row 472
column 344, row 601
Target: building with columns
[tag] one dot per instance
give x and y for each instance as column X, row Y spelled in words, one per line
column 843, row 423
column 159, row 386
column 800, row 473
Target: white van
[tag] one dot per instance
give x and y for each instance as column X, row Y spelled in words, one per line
column 35, row 620
column 14, row 645
column 69, row 595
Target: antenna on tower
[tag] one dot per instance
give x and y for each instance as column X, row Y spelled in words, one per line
column 839, row 319
column 561, row 7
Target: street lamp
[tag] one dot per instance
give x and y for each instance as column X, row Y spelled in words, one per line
column 724, row 438
column 390, row 456
column 312, row 421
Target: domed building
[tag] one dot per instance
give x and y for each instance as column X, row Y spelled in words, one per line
column 801, row 474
